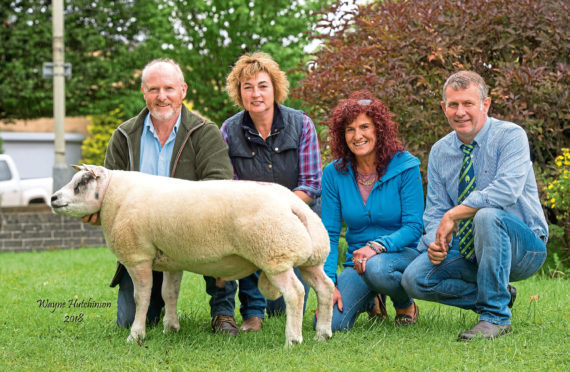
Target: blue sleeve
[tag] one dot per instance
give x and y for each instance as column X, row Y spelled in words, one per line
column 514, row 166
column 437, row 201
column 412, row 204
column 331, row 217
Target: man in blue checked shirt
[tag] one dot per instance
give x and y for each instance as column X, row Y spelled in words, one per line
column 483, row 220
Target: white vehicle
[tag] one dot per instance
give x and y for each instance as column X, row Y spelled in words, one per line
column 16, row 192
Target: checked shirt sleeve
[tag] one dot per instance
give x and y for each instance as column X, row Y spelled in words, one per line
column 310, row 176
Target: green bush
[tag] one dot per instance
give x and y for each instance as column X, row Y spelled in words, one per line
column 100, row 130
column 403, row 51
column 557, row 198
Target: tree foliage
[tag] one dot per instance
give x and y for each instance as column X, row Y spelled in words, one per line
column 101, row 128
column 108, row 42
column 213, row 34
column 403, row 51
column 102, row 42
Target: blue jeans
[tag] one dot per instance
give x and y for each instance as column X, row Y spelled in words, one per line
column 382, row 276
column 222, row 301
column 126, row 306
column 506, row 250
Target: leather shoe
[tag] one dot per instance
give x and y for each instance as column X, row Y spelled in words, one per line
column 225, row 324
column 405, row 319
column 485, row 329
column 251, row 324
column 513, row 292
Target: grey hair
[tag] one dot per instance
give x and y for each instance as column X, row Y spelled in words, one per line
column 162, row 60
column 462, row 80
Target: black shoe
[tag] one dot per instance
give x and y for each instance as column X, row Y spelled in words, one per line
column 485, row 329
column 513, row 292
column 225, row 324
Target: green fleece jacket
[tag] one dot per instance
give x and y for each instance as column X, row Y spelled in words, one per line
column 200, row 153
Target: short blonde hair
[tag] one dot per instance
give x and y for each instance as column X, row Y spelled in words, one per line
column 250, row 65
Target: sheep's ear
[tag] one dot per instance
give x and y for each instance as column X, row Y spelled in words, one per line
column 76, row 167
column 90, row 169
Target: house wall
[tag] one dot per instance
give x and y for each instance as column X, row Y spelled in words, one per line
column 31, row 144
column 34, row 155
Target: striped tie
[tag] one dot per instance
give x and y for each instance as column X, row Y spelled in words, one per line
column 466, row 185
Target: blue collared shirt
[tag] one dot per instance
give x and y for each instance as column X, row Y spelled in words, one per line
column 155, row 159
column 503, row 174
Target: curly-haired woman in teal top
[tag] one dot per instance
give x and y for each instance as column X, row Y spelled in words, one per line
column 375, row 187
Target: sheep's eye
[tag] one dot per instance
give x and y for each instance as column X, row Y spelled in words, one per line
column 82, row 183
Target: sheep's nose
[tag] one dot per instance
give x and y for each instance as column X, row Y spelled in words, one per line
column 53, row 198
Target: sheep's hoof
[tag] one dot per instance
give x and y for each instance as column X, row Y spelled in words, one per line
column 136, row 337
column 323, row 335
column 291, row 342
column 171, row 328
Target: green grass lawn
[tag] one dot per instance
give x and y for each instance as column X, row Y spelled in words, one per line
column 39, row 338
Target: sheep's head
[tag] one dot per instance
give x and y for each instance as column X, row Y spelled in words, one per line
column 84, row 194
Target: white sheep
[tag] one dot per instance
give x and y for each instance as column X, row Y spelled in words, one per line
column 224, row 229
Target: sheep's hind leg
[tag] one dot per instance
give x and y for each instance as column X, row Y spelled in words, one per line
column 293, row 294
column 170, row 289
column 324, row 287
column 141, row 275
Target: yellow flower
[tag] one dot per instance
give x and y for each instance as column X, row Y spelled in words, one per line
column 553, row 200
column 558, row 163
column 550, row 186
column 553, row 206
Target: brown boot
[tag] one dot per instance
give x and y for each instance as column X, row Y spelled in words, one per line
column 225, row 324
column 252, row 324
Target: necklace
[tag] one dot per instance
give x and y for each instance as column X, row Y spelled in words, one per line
column 366, row 179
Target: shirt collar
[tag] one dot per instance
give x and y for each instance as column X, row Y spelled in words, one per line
column 480, row 138
column 148, row 127
column 277, row 124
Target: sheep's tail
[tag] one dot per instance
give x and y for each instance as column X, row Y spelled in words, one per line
column 316, row 230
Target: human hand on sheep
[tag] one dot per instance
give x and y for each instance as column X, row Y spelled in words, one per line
column 337, row 299
column 92, row 219
column 359, row 258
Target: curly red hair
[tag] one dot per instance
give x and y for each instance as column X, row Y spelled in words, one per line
column 388, row 141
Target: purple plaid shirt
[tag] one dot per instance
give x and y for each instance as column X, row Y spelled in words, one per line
column 310, row 171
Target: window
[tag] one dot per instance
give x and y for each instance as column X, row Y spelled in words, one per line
column 5, row 174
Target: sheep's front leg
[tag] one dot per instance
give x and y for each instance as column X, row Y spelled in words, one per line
column 170, row 289
column 293, row 294
column 141, row 275
column 324, row 287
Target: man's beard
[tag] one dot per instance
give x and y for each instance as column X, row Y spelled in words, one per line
column 162, row 115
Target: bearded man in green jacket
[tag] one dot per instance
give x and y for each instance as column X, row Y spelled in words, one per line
column 165, row 139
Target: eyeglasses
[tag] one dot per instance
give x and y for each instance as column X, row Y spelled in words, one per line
column 362, row 102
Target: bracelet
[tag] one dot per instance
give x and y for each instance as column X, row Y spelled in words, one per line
column 376, row 247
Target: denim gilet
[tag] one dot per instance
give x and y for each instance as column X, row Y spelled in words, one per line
column 274, row 160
